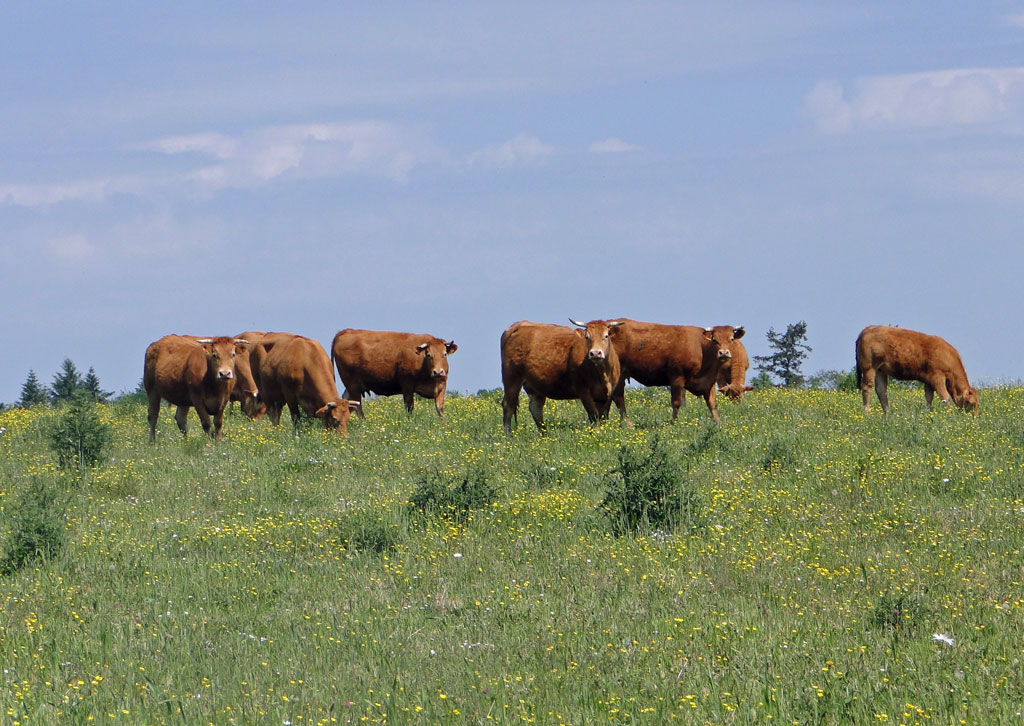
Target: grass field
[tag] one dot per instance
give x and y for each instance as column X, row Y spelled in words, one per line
column 277, row 579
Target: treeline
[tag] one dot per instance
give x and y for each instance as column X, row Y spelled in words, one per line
column 68, row 385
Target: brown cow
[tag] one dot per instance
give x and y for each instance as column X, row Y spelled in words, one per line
column 556, row 361
column 732, row 376
column 245, row 391
column 187, row 372
column 296, row 371
column 907, row 355
column 259, row 344
column 387, row 363
column 682, row 357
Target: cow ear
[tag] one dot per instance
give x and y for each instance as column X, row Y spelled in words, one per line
column 354, row 405
column 579, row 333
column 738, row 333
column 709, row 334
column 748, row 388
column 450, row 346
column 422, row 347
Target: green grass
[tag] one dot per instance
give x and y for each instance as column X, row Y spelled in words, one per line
column 272, row 578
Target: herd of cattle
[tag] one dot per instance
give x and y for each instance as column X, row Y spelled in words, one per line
column 591, row 362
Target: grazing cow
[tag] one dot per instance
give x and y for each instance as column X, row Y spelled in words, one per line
column 732, row 376
column 682, row 357
column 296, row 371
column 908, row 355
column 556, row 361
column 387, row 363
column 259, row 344
column 190, row 372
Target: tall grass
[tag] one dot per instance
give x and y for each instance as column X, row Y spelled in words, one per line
column 275, row 578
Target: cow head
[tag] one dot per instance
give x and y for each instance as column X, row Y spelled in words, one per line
column 435, row 357
column 969, row 400
column 734, row 391
column 597, row 334
column 720, row 337
column 245, row 382
column 220, row 357
column 335, row 414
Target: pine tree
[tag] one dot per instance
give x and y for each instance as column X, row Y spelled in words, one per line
column 33, row 392
column 67, row 382
column 91, row 385
column 789, row 354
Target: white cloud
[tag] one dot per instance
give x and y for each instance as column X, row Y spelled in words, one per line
column 256, row 158
column 215, row 144
column 39, row 195
column 306, row 151
column 611, row 146
column 517, row 151
column 957, row 97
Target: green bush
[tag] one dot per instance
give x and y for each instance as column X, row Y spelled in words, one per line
column 36, row 530
column 453, row 497
column 647, row 492
column 367, row 532
column 78, row 437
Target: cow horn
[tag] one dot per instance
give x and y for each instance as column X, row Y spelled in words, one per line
column 614, row 323
column 204, row 340
column 331, row 405
column 709, row 330
column 578, row 325
column 422, row 346
column 241, row 340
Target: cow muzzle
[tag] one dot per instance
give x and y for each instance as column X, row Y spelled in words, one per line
column 225, row 374
column 724, row 354
column 439, row 374
column 596, row 354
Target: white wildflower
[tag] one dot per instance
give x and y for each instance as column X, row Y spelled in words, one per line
column 943, row 638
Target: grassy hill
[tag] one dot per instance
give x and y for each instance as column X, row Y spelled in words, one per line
column 280, row 579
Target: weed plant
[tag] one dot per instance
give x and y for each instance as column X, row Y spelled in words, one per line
column 78, row 437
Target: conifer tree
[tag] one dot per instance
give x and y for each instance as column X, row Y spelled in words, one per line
column 33, row 392
column 91, row 385
column 790, row 352
column 66, row 382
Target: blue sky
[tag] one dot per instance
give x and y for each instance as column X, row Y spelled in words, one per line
column 454, row 167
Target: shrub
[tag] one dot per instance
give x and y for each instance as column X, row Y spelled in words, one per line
column 79, row 438
column 37, row 530
column 453, row 497
column 899, row 613
column 367, row 532
column 648, row 492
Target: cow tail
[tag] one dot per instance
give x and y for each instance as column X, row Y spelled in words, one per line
column 856, row 364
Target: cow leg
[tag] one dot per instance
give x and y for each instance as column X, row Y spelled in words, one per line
column 510, row 407
column 407, row 397
column 619, row 397
column 218, row 421
column 537, row 410
column 591, row 408
column 712, row 400
column 439, row 403
column 181, row 418
column 154, row 415
column 929, row 393
column 204, row 418
column 274, row 413
column 293, row 409
column 882, row 390
column 677, row 389
column 942, row 391
column 867, row 382
column 355, row 394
